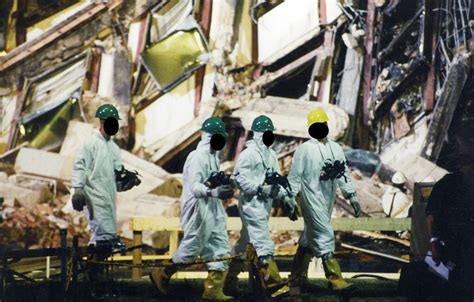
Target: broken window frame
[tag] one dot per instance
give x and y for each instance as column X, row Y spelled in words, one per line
column 25, row 118
column 188, row 25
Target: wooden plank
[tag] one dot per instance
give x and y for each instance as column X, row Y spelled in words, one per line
column 370, row 252
column 33, row 264
column 27, row 49
column 324, row 91
column 173, row 242
column 369, row 42
column 144, row 258
column 137, row 255
column 280, row 223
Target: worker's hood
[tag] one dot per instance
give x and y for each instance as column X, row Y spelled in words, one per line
column 205, row 141
column 257, row 143
column 208, row 143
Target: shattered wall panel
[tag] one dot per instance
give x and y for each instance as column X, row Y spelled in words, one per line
column 115, row 75
column 54, row 88
column 169, row 17
column 167, row 114
column 286, row 27
column 243, row 26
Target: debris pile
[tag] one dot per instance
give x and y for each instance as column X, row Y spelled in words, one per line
column 390, row 74
column 38, row 226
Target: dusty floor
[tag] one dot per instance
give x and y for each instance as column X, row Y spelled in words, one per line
column 191, row 290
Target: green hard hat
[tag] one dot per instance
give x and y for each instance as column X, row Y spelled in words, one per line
column 106, row 111
column 262, row 123
column 214, row 125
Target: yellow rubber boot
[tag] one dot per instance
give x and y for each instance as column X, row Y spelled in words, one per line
column 231, row 283
column 213, row 287
column 333, row 274
column 160, row 278
column 272, row 279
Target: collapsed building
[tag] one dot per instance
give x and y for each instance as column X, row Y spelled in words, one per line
column 392, row 75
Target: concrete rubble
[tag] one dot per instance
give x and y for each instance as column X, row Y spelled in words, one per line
column 394, row 88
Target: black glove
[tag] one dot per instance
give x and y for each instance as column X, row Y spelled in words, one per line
column 290, row 208
column 78, row 199
column 356, row 206
column 222, row 192
column 126, row 179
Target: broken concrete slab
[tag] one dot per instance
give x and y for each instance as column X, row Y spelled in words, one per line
column 404, row 156
column 44, row 164
column 27, row 195
column 289, row 116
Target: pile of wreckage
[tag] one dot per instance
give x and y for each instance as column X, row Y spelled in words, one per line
column 391, row 74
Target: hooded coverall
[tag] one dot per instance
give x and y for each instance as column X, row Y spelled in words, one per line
column 318, row 196
column 202, row 217
column 94, row 171
column 249, row 173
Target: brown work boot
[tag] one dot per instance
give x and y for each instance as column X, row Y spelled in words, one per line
column 332, row 271
column 213, row 287
column 160, row 278
column 231, row 283
column 299, row 267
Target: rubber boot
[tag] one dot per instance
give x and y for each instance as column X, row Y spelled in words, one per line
column 231, row 283
column 160, row 278
column 213, row 287
column 333, row 274
column 271, row 276
column 299, row 267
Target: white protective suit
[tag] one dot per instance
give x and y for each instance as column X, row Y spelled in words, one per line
column 202, row 217
column 249, row 173
column 317, row 196
column 396, row 203
column 94, row 171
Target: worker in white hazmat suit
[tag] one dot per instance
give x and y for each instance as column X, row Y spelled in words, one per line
column 255, row 202
column 395, row 201
column 318, row 167
column 97, row 175
column 202, row 215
